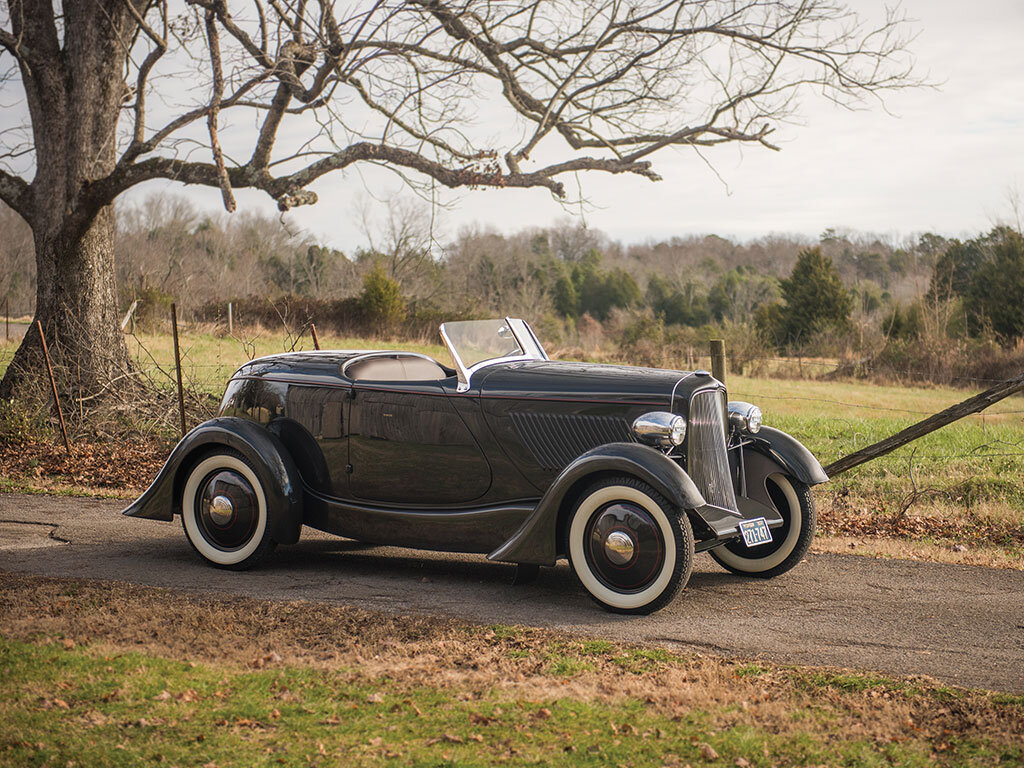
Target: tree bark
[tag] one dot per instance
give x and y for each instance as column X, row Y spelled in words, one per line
column 76, row 302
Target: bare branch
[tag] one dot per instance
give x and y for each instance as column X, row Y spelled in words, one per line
column 211, row 116
column 154, row 55
column 14, row 191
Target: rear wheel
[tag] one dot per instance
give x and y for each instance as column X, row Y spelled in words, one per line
column 789, row 543
column 224, row 511
column 629, row 547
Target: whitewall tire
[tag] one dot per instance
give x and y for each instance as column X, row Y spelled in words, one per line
column 224, row 511
column 789, row 543
column 628, row 546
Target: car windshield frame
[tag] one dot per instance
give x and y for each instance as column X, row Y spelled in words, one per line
column 469, row 360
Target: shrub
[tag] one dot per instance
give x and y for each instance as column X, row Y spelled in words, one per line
column 382, row 300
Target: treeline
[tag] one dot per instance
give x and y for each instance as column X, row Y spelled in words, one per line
column 901, row 306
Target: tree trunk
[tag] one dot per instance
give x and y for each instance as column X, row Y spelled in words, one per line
column 76, row 302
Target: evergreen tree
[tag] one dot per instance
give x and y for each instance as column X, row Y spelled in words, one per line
column 995, row 294
column 816, row 299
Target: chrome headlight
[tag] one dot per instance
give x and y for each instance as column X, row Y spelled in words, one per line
column 660, row 428
column 744, row 416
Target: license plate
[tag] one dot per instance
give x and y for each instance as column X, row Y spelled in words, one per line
column 755, row 532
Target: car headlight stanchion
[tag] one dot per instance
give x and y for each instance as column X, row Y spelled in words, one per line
column 660, row 429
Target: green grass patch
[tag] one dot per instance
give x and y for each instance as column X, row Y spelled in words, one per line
column 61, row 706
column 750, row 670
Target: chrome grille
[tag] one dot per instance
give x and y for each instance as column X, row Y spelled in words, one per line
column 707, row 460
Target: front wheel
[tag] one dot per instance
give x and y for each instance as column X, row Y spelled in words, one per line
column 789, row 543
column 629, row 547
column 224, row 511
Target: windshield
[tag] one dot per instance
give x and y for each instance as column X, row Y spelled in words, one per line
column 472, row 342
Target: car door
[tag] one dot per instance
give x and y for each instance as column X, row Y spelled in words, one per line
column 408, row 445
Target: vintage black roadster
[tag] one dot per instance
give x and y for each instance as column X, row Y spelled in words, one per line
column 625, row 471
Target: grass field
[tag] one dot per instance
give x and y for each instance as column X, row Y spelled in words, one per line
column 971, row 473
column 110, row 674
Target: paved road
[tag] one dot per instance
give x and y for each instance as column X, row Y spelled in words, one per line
column 961, row 624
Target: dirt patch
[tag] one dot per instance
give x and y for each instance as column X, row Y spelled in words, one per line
column 116, row 467
column 479, row 661
column 841, row 513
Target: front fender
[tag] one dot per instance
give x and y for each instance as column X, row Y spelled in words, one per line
column 789, row 453
column 266, row 452
column 536, row 540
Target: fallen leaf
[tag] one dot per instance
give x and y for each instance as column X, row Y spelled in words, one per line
column 164, row 695
column 708, row 752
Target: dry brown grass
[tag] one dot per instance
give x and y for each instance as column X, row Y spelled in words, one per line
column 478, row 661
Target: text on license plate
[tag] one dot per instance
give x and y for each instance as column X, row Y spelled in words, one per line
column 755, row 532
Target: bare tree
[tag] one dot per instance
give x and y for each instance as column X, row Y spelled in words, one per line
column 273, row 94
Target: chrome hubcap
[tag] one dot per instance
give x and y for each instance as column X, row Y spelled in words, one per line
column 618, row 546
column 227, row 509
column 220, row 509
column 624, row 546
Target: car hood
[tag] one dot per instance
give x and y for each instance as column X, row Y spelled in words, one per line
column 556, row 379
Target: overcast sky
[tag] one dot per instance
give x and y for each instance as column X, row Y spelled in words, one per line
column 942, row 160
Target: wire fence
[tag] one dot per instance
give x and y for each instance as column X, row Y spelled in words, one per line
column 204, row 378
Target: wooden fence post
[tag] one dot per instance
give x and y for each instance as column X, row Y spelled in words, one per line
column 177, row 366
column 316, row 340
column 718, row 359
column 231, row 320
column 53, row 386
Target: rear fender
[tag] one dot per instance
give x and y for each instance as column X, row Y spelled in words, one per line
column 263, row 449
column 536, row 541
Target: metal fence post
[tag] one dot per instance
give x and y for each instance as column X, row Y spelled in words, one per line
column 177, row 366
column 53, row 386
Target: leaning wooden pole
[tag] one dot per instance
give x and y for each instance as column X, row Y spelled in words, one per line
column 53, row 386
column 954, row 413
column 316, row 339
column 177, row 367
